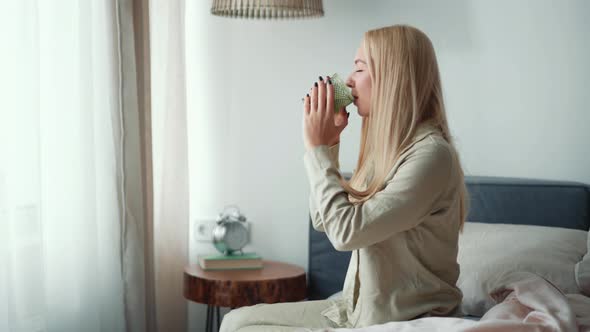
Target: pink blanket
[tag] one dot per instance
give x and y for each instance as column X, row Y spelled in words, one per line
column 525, row 302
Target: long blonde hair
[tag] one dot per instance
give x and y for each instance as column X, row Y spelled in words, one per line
column 406, row 91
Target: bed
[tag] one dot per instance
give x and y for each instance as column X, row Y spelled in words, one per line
column 556, row 213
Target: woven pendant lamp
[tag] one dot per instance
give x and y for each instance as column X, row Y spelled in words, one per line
column 268, row 9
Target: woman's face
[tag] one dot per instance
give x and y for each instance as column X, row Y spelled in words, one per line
column 360, row 83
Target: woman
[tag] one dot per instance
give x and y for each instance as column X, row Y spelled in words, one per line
column 404, row 205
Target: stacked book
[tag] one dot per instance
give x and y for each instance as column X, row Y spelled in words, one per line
column 244, row 261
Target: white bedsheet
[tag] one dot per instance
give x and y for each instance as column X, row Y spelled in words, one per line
column 524, row 302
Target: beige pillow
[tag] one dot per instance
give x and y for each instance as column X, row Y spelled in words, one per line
column 489, row 251
column 582, row 271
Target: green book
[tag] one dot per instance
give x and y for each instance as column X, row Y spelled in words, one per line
column 216, row 257
column 245, row 261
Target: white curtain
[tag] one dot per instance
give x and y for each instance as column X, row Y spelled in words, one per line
column 170, row 160
column 72, row 251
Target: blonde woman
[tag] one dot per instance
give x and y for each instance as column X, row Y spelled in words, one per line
column 401, row 212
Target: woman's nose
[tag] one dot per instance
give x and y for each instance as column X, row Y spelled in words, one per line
column 349, row 82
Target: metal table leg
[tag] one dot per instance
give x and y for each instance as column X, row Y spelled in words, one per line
column 211, row 311
column 208, row 324
column 218, row 322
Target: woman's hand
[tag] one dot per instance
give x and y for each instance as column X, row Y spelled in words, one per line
column 320, row 125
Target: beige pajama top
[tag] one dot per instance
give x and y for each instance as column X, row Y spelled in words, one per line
column 403, row 240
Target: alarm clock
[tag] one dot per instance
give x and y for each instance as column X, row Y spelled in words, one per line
column 231, row 232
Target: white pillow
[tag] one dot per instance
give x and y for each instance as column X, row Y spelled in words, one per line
column 489, row 251
column 582, row 270
column 335, row 295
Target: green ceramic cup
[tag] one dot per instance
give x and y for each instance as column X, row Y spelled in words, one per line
column 342, row 94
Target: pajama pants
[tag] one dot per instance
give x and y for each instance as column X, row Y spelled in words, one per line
column 279, row 317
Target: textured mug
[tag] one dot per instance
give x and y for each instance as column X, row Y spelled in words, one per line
column 342, row 94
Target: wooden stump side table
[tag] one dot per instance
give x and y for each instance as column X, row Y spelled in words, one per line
column 275, row 282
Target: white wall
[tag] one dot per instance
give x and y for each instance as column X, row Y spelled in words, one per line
column 514, row 76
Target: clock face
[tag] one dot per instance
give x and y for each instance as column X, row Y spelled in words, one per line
column 236, row 236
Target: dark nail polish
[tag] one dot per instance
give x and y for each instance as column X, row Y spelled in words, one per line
column 308, row 94
column 329, row 81
column 347, row 115
column 321, row 79
column 316, row 84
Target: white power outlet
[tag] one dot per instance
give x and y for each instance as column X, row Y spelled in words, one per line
column 204, row 229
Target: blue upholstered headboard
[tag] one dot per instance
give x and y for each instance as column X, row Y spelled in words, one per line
column 492, row 200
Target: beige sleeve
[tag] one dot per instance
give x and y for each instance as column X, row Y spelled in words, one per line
column 406, row 199
column 313, row 211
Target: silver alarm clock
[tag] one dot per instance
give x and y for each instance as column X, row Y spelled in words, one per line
column 231, row 233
